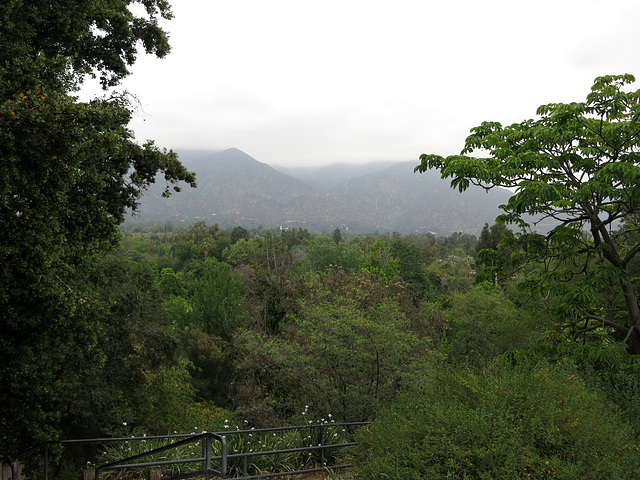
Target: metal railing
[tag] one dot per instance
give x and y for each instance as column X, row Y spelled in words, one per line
column 236, row 464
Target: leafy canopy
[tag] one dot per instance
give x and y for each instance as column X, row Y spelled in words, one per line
column 69, row 171
column 576, row 168
column 89, row 37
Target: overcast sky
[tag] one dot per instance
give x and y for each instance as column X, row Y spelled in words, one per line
column 300, row 82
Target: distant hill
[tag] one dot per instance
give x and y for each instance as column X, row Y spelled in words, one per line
column 236, row 189
column 404, row 201
column 327, row 177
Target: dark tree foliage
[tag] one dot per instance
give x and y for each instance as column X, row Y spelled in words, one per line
column 490, row 251
column 90, row 36
column 69, row 171
column 237, row 233
column 295, row 237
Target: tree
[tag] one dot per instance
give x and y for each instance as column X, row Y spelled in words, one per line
column 295, row 237
column 171, row 284
column 69, row 170
column 344, row 356
column 133, row 338
column 490, row 237
column 483, row 324
column 320, row 256
column 577, row 165
column 488, row 249
column 380, row 261
column 83, row 35
column 409, row 258
column 216, row 300
column 237, row 233
column 337, row 236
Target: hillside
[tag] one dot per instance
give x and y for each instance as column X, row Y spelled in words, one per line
column 327, row 177
column 236, row 189
column 404, row 201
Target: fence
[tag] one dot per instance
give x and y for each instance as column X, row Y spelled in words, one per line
column 238, row 454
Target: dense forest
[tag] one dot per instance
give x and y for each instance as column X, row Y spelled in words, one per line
column 510, row 354
column 203, row 327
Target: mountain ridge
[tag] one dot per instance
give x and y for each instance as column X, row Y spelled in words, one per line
column 236, row 189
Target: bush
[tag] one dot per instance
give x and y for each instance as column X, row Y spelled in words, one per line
column 484, row 323
column 336, row 357
column 508, row 422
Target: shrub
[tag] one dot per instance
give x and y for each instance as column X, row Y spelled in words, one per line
column 507, row 422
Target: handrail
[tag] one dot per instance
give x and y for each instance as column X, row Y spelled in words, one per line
column 206, row 459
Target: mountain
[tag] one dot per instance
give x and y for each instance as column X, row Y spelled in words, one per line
column 404, row 201
column 329, row 176
column 236, row 189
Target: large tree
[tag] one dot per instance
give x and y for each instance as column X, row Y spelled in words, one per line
column 577, row 165
column 69, row 171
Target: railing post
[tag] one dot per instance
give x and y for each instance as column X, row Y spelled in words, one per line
column 244, row 466
column 223, row 454
column 203, row 455
column 322, row 443
column 207, row 457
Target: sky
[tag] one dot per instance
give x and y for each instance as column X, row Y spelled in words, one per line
column 309, row 83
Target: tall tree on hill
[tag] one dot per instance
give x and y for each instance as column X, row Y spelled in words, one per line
column 69, row 171
column 579, row 165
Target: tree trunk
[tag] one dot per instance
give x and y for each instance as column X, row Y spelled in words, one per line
column 631, row 300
